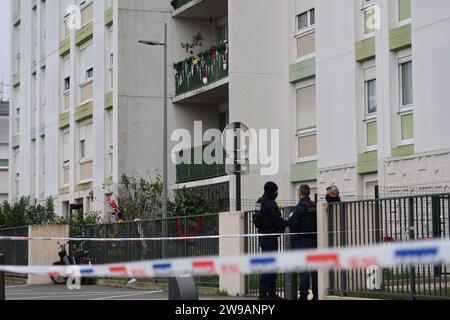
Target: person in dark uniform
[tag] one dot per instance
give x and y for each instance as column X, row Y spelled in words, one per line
column 303, row 220
column 269, row 221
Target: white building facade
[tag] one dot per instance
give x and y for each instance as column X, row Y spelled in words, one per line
column 354, row 88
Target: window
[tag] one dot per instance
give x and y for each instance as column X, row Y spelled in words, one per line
column 85, row 138
column 306, row 21
column 222, row 29
column 306, row 122
column 371, row 97
column 369, row 16
column 86, row 63
column 307, row 146
column 66, row 74
column 17, row 119
column 406, row 94
column 66, row 150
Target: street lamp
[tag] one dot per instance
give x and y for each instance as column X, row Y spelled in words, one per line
column 165, row 186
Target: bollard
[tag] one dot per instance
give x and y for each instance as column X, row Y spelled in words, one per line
column 182, row 288
column 2, row 281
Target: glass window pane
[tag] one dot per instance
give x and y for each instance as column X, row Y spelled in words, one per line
column 371, row 103
column 406, row 74
column 312, row 17
column 307, row 146
column 303, row 21
column 306, row 108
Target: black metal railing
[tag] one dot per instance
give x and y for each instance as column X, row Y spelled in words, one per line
column 369, row 222
column 111, row 252
column 15, row 252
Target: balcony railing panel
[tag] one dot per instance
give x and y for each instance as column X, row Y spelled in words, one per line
column 187, row 172
column 201, row 69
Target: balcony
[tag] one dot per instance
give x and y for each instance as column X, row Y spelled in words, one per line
column 200, row 9
column 195, row 172
column 205, row 74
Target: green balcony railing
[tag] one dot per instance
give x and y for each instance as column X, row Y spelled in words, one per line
column 188, row 172
column 180, row 3
column 201, row 69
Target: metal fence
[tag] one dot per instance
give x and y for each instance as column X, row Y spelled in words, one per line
column 15, row 252
column 252, row 247
column 377, row 221
column 111, row 252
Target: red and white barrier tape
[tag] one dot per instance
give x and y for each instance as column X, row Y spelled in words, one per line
column 434, row 252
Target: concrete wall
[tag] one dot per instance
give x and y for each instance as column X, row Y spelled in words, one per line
column 44, row 253
column 259, row 80
column 230, row 224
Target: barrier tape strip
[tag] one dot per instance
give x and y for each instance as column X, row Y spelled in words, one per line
column 431, row 252
column 248, row 235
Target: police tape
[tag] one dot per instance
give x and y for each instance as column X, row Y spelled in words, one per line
column 206, row 237
column 430, row 252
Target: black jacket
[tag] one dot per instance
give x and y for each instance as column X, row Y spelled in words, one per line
column 272, row 222
column 303, row 219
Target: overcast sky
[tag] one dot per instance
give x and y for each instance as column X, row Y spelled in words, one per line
column 5, row 43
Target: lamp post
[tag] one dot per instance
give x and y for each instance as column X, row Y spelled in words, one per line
column 165, row 186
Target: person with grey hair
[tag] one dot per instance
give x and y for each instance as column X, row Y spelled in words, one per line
column 332, row 194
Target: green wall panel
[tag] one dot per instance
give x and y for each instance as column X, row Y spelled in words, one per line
column 365, row 49
column 400, row 38
column 304, row 171
column 64, row 46
column 302, row 70
column 15, row 141
column 64, row 120
column 372, row 138
column 368, row 162
column 407, row 127
column 109, row 16
column 84, row 112
column 109, row 100
column 403, row 151
column 84, row 34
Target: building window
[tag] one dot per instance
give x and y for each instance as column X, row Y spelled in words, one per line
column 371, row 97
column 305, row 21
column 404, row 10
column 306, row 123
column 66, row 149
column 86, row 63
column 85, row 140
column 17, row 119
column 222, row 29
column 369, row 16
column 406, row 85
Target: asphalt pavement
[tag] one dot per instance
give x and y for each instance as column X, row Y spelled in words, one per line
column 91, row 292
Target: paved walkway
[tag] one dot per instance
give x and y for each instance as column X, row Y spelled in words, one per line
column 93, row 292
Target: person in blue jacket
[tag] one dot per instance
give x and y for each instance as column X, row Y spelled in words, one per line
column 303, row 221
column 270, row 222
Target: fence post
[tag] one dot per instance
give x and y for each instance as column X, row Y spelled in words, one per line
column 331, row 282
column 2, row 281
column 436, row 223
column 343, row 243
column 377, row 215
column 412, row 268
column 290, row 279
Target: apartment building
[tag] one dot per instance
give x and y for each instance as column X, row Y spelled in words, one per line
column 354, row 88
column 4, row 147
column 73, row 65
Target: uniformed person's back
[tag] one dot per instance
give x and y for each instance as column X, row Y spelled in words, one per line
column 268, row 220
column 303, row 222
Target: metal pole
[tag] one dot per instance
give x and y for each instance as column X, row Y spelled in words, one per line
column 2, row 282
column 165, row 179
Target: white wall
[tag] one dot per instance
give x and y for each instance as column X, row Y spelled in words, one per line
column 259, row 90
column 431, row 67
column 335, row 83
